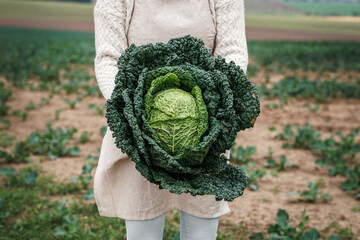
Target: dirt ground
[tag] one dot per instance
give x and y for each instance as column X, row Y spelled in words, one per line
column 257, row 209
column 251, row 33
column 253, row 210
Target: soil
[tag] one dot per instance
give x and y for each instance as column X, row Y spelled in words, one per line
column 251, row 33
column 254, row 210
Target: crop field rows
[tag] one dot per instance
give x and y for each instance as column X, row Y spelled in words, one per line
column 264, row 19
column 302, row 156
column 308, row 8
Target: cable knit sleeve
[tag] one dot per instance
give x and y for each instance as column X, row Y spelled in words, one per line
column 230, row 27
column 110, row 42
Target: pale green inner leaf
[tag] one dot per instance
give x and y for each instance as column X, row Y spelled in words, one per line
column 174, row 116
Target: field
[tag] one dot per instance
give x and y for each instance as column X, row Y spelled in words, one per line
column 302, row 155
column 269, row 7
column 344, row 9
column 302, row 7
column 303, row 23
column 264, row 20
column 45, row 10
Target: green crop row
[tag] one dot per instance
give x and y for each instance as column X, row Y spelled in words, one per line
column 5, row 94
column 243, row 157
column 50, row 142
column 315, row 56
column 338, row 152
column 282, row 229
column 327, row 8
column 42, row 58
column 44, row 53
column 27, row 213
column 320, row 90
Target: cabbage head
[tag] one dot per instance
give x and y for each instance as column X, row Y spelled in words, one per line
column 179, row 118
column 175, row 110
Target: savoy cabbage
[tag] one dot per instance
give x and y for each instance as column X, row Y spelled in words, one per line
column 179, row 118
column 175, row 109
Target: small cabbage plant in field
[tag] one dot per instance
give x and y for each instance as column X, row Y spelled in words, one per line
column 282, row 229
column 337, row 152
column 174, row 111
column 313, row 192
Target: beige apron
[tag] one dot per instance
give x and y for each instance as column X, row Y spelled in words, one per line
column 159, row 20
column 120, row 190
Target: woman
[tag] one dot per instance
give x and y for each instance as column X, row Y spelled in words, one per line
column 120, row 190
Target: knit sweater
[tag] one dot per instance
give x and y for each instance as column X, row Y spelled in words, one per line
column 112, row 18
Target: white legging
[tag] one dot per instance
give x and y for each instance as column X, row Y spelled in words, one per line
column 191, row 228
